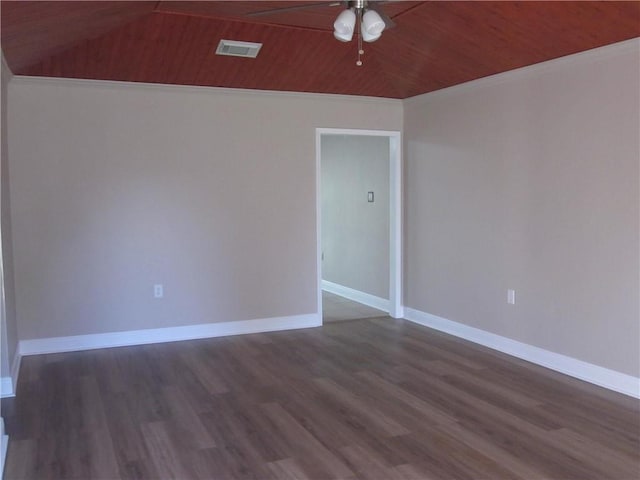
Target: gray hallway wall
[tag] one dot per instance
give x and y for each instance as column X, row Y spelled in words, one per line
column 355, row 232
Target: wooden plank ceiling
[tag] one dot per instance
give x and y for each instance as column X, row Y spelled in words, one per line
column 434, row 44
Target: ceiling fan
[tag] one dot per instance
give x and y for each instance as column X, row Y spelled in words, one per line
column 363, row 17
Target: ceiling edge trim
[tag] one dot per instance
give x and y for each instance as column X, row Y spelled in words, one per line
column 82, row 82
column 580, row 58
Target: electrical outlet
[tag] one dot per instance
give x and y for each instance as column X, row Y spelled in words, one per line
column 511, row 297
column 158, row 291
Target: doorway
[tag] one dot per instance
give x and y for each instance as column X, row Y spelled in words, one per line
column 394, row 225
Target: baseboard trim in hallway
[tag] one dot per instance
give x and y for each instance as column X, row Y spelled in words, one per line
column 603, row 377
column 6, row 387
column 356, row 295
column 169, row 334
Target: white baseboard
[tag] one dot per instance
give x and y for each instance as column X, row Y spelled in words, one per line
column 588, row 372
column 6, row 387
column 4, row 443
column 169, row 334
column 356, row 295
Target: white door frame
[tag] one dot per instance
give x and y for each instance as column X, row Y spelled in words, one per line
column 396, row 309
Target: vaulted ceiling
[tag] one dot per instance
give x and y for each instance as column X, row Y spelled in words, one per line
column 433, row 45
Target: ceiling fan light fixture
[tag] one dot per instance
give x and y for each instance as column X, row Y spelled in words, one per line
column 372, row 24
column 343, row 37
column 367, row 37
column 345, row 23
column 368, row 22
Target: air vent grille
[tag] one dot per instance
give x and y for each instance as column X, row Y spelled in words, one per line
column 238, row 49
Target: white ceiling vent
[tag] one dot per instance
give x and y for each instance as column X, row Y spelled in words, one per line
column 238, row 49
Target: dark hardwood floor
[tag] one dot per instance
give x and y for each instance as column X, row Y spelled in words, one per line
column 378, row 398
column 337, row 309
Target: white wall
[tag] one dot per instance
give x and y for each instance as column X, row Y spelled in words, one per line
column 8, row 328
column 117, row 187
column 355, row 232
column 530, row 181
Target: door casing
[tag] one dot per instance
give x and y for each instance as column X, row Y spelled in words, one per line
column 396, row 309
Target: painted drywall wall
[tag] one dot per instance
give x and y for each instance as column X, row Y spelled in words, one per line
column 209, row 192
column 8, row 328
column 355, row 232
column 529, row 181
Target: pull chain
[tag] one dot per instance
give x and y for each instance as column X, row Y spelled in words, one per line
column 359, row 27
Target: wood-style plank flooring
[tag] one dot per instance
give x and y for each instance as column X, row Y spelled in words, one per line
column 336, row 309
column 377, row 399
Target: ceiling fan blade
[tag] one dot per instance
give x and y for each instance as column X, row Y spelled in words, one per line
column 385, row 18
column 293, row 8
